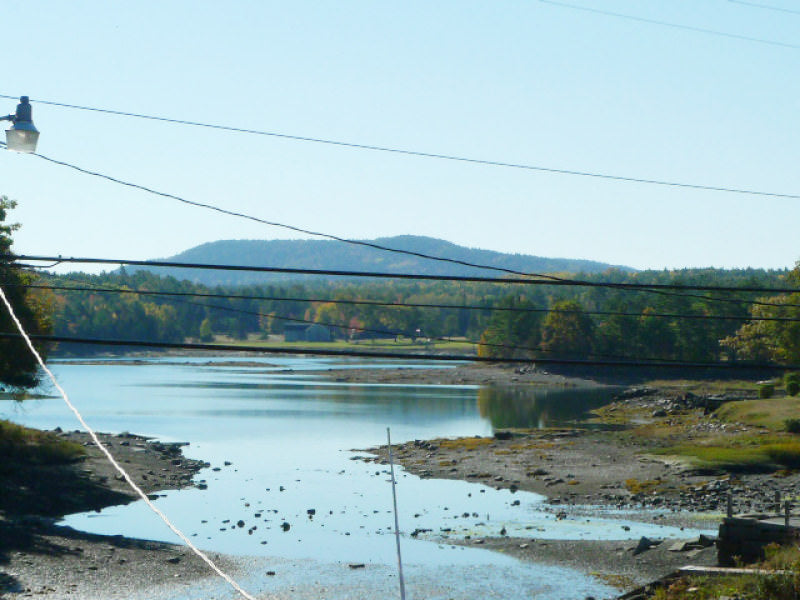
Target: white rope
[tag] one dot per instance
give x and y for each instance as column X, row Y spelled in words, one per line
column 116, row 465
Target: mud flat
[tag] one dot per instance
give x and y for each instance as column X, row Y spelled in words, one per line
column 460, row 374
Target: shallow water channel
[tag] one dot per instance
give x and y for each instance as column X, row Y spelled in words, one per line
column 289, row 439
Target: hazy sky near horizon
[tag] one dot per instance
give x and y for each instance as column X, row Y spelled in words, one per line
column 522, row 82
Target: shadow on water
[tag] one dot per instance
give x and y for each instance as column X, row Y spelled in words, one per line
column 537, row 408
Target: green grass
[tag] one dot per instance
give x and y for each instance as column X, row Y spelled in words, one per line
column 704, row 387
column 743, row 454
column 388, row 345
column 22, row 445
column 771, row 413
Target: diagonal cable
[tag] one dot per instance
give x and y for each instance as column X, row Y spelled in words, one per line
column 111, row 459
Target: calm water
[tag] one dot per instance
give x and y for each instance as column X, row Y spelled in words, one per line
column 289, row 439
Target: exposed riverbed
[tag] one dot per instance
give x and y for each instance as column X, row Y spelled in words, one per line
column 288, row 437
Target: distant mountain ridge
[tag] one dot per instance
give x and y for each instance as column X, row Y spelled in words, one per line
column 332, row 255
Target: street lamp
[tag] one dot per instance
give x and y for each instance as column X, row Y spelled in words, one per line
column 22, row 136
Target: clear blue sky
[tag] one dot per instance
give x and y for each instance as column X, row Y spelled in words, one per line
column 520, row 81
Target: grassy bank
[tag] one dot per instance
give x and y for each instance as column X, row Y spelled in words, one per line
column 751, row 435
column 21, row 446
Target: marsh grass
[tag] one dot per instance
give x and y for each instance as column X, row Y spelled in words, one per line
column 635, row 486
column 745, row 454
column 467, row 443
column 22, row 445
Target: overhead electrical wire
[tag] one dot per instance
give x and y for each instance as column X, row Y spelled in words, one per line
column 406, row 152
column 732, row 366
column 766, row 6
column 397, row 333
column 123, row 473
column 404, row 304
column 628, row 17
column 294, row 228
column 541, row 277
column 645, row 287
column 550, row 278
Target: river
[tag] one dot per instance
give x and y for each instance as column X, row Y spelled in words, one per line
column 280, row 439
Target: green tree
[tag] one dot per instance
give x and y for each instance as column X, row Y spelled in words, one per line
column 18, row 367
column 511, row 334
column 777, row 341
column 567, row 332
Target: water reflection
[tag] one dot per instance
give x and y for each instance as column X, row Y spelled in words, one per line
column 537, row 408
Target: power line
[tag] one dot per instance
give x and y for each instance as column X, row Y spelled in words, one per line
column 551, row 278
column 350, row 302
column 395, row 333
column 673, row 25
column 416, row 153
column 766, row 6
column 644, row 287
column 120, row 469
column 294, row 228
column 388, row 332
column 728, row 366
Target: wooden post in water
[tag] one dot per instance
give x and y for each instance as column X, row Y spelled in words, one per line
column 396, row 525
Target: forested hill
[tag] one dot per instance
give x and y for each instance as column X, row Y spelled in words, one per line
column 324, row 254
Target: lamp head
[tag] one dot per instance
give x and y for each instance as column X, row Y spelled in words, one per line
column 23, row 135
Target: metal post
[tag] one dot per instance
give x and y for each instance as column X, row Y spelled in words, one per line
column 396, row 525
column 786, row 513
column 730, row 504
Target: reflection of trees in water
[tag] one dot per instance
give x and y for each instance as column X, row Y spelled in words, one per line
column 537, row 408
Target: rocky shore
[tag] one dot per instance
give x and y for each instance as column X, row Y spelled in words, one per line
column 40, row 559
column 605, row 466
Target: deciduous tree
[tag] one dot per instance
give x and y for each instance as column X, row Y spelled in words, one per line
column 18, row 366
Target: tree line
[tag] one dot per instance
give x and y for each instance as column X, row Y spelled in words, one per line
column 556, row 322
column 561, row 322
